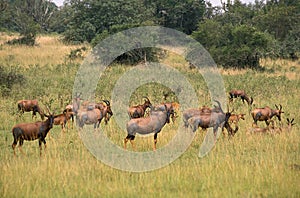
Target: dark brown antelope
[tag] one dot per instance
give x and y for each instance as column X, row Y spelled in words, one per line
column 266, row 114
column 138, row 111
column 30, row 105
column 240, row 94
column 32, row 131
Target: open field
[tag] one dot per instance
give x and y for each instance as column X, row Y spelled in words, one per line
column 248, row 165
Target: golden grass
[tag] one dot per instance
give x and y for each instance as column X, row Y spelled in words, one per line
column 49, row 50
column 252, row 165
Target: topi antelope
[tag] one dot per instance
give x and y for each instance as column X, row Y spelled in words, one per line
column 242, row 94
column 266, row 114
column 138, row 111
column 32, row 131
column 215, row 118
column 154, row 123
column 30, row 105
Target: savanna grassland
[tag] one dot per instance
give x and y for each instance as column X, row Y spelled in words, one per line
column 248, row 165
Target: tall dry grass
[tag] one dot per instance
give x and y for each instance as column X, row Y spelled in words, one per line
column 248, row 165
column 49, row 50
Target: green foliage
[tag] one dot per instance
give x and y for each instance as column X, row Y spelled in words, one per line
column 181, row 15
column 131, row 57
column 85, row 32
column 233, row 46
column 28, row 18
column 8, row 78
column 273, row 25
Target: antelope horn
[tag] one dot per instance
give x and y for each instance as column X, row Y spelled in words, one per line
column 219, row 104
column 106, row 102
column 280, row 107
column 146, row 98
column 276, row 106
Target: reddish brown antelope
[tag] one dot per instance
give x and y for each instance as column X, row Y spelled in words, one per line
column 240, row 94
column 138, row 111
column 63, row 118
column 30, row 105
column 32, row 131
column 266, row 114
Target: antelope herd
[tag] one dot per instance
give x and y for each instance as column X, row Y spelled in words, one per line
column 140, row 122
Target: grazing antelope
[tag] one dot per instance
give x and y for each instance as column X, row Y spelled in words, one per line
column 242, row 94
column 32, row 131
column 214, row 119
column 154, row 123
column 266, row 114
column 138, row 111
column 30, row 105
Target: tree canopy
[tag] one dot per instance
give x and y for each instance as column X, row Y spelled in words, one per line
column 235, row 34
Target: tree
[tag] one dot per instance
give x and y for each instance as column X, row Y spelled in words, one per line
column 230, row 45
column 30, row 17
column 182, row 15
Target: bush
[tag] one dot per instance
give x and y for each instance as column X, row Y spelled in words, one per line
column 8, row 78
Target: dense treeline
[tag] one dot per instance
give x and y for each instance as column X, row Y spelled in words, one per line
column 235, row 34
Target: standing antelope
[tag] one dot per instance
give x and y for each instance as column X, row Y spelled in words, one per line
column 213, row 119
column 174, row 106
column 94, row 114
column 235, row 118
column 157, row 119
column 138, row 111
column 266, row 114
column 32, row 131
column 63, row 118
column 75, row 104
column 30, row 105
column 188, row 113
